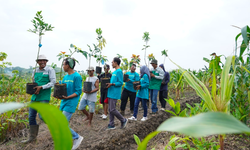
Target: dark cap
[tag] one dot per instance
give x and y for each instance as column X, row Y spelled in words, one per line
column 154, row 61
column 106, row 65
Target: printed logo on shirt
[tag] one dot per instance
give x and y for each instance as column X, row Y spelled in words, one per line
column 132, row 76
column 113, row 74
column 68, row 81
column 46, row 73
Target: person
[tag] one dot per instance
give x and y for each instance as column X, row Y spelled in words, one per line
column 156, row 75
column 45, row 77
column 142, row 94
column 163, row 93
column 129, row 91
column 89, row 98
column 114, row 93
column 68, row 105
column 104, row 91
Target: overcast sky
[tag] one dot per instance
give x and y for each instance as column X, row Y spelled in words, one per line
column 188, row 29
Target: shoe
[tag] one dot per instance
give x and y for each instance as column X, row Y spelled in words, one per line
column 122, row 112
column 77, row 142
column 144, row 119
column 104, row 117
column 163, row 109
column 154, row 113
column 110, row 127
column 101, row 116
column 33, row 133
column 132, row 118
column 123, row 124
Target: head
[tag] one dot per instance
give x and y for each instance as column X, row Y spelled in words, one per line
column 69, row 64
column 162, row 67
column 133, row 68
column 154, row 63
column 42, row 61
column 90, row 71
column 116, row 62
column 106, row 68
column 144, row 70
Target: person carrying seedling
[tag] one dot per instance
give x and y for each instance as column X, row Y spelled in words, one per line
column 114, row 93
column 163, row 93
column 142, row 94
column 74, row 90
column 129, row 91
column 45, row 77
column 89, row 98
column 104, row 91
column 156, row 74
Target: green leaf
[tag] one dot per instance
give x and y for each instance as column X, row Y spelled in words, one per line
column 57, row 124
column 244, row 31
column 10, row 106
column 11, row 120
column 171, row 112
column 171, row 103
column 177, row 108
column 183, row 113
column 137, row 140
column 204, row 124
column 144, row 143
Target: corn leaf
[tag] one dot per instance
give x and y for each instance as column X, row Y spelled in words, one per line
column 144, row 143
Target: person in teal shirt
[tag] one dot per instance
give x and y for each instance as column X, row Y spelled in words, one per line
column 129, row 91
column 114, row 93
column 70, row 101
column 142, row 94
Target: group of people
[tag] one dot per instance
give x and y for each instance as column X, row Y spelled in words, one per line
column 151, row 81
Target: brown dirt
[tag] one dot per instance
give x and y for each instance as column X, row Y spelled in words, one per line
column 97, row 137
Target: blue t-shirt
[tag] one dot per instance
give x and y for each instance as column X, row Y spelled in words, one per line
column 74, row 85
column 143, row 92
column 133, row 77
column 114, row 91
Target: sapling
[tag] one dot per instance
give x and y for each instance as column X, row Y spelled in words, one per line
column 145, row 38
column 164, row 53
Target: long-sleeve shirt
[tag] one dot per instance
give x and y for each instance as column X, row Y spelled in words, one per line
column 133, row 76
column 143, row 92
column 155, row 82
column 166, row 79
column 114, row 91
column 52, row 76
column 74, row 85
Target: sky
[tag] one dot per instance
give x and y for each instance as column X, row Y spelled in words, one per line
column 188, row 29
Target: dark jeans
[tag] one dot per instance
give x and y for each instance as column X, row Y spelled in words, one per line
column 113, row 112
column 162, row 96
column 144, row 104
column 124, row 99
column 33, row 112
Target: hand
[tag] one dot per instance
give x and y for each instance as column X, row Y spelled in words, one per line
column 87, row 92
column 109, row 85
column 138, row 87
column 38, row 88
column 152, row 75
column 63, row 97
column 128, row 80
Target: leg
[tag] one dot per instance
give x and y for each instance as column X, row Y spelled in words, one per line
column 82, row 105
column 87, row 115
column 144, row 103
column 91, row 111
column 114, row 112
column 161, row 98
column 124, row 99
column 154, row 100
column 165, row 96
column 137, row 101
column 111, row 115
column 132, row 100
column 68, row 116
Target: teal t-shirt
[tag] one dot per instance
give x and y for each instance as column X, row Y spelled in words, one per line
column 133, row 77
column 143, row 92
column 114, row 91
column 74, row 85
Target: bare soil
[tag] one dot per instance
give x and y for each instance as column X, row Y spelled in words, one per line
column 97, row 138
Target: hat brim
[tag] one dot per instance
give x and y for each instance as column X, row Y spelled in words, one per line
column 42, row 59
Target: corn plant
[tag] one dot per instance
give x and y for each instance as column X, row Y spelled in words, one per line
column 177, row 81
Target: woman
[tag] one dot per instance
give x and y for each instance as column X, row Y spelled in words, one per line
column 163, row 93
column 142, row 94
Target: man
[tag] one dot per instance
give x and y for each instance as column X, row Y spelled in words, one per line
column 114, row 93
column 104, row 91
column 45, row 77
column 89, row 98
column 157, row 74
column 129, row 90
column 163, row 93
column 74, row 90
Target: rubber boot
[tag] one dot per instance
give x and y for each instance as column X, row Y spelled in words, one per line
column 33, row 133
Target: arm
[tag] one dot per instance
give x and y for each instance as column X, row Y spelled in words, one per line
column 78, row 86
column 167, row 78
column 52, row 78
column 119, row 77
column 96, row 87
column 161, row 74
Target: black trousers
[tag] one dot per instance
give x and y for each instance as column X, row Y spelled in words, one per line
column 162, row 96
column 124, row 99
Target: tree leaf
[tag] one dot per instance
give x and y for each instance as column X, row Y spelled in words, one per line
column 144, row 143
column 204, row 124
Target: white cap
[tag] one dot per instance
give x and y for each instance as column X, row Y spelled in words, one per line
column 42, row 57
column 90, row 68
